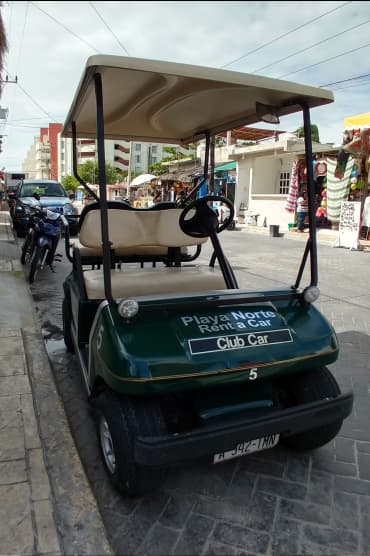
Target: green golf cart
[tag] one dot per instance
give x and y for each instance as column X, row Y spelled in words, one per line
column 178, row 361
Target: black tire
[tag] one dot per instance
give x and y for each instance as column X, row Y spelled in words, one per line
column 119, row 421
column 67, row 322
column 20, row 231
column 27, row 250
column 37, row 255
column 312, row 386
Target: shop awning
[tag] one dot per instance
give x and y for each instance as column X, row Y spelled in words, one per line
column 358, row 121
column 228, row 166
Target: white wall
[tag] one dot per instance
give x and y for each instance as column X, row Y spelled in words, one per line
column 258, row 180
column 271, row 207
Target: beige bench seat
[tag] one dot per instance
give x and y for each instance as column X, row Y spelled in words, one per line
column 139, row 250
column 152, row 281
column 135, row 232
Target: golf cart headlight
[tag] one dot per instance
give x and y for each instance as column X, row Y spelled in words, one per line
column 68, row 208
column 128, row 308
column 311, row 294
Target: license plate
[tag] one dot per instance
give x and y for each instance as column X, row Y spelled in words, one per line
column 244, row 448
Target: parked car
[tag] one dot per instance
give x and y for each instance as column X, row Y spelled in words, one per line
column 52, row 196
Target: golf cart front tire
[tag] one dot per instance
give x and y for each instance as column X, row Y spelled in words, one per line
column 120, row 420
column 313, row 386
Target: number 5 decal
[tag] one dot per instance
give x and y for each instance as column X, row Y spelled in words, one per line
column 100, row 337
column 253, row 374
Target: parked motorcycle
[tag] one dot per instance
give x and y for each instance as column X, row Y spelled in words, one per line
column 43, row 235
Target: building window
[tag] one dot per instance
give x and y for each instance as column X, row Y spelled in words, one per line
column 137, row 159
column 137, row 169
column 154, row 160
column 284, row 183
column 138, row 147
column 154, row 149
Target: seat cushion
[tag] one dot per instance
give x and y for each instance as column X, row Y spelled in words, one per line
column 152, row 281
column 139, row 250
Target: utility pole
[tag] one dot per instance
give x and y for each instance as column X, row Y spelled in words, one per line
column 7, row 80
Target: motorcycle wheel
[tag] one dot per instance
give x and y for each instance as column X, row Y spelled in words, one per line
column 27, row 249
column 37, row 256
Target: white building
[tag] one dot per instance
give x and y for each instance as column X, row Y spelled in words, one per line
column 125, row 156
column 263, row 173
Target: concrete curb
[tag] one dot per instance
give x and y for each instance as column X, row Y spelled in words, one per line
column 64, row 517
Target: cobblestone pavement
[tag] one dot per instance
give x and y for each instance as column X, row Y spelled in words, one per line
column 275, row 502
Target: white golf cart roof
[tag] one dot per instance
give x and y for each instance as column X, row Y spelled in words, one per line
column 165, row 102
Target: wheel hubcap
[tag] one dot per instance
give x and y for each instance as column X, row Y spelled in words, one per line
column 107, row 445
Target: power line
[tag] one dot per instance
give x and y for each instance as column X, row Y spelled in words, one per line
column 323, row 61
column 64, row 27
column 24, row 125
column 22, row 36
column 312, row 46
column 366, row 83
column 285, row 34
column 109, row 29
column 345, row 80
column 35, row 103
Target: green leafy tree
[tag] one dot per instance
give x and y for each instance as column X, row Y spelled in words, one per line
column 69, row 183
column 314, row 133
column 157, row 169
column 89, row 172
column 172, row 154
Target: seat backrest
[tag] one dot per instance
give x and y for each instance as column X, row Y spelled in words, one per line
column 131, row 228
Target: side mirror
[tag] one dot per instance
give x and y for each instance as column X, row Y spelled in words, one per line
column 72, row 196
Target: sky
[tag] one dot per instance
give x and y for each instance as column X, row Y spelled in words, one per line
column 314, row 43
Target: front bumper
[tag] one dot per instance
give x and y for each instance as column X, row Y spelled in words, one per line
column 211, row 439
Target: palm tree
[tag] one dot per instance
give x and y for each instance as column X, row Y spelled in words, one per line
column 3, row 45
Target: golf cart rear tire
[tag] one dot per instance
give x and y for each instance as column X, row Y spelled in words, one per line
column 127, row 419
column 312, row 386
column 67, row 322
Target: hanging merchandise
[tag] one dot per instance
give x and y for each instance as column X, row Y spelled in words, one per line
column 291, row 201
column 341, row 164
column 337, row 189
column 320, row 168
column 354, row 146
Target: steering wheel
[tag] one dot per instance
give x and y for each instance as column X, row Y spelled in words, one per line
column 205, row 220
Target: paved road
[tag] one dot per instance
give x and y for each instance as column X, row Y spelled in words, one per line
column 274, row 502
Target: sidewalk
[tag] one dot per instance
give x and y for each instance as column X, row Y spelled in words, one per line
column 47, row 506
column 324, row 236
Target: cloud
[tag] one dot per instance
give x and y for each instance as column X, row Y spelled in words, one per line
column 49, row 43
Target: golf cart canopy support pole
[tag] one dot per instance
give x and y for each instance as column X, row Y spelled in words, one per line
column 106, row 244
column 311, row 246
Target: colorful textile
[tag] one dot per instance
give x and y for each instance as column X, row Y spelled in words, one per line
column 293, row 188
column 337, row 188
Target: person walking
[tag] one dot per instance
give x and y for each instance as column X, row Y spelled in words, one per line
column 302, row 211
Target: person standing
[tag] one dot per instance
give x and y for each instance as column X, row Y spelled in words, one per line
column 302, row 211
